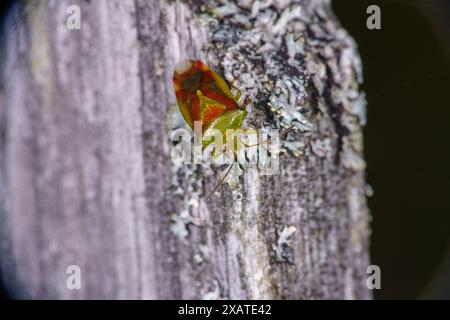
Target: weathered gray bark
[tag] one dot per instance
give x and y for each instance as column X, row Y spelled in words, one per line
column 86, row 177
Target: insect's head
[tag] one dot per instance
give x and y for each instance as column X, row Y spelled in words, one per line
column 183, row 66
column 188, row 75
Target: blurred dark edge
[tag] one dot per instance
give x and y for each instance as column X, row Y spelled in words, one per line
column 4, row 8
column 407, row 82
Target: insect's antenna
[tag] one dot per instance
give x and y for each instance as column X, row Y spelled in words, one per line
column 247, row 100
column 220, row 181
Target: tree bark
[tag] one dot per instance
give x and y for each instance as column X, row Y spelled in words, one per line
column 86, row 177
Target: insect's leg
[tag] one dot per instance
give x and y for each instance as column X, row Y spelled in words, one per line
column 251, row 130
column 220, row 181
column 238, row 93
column 237, row 96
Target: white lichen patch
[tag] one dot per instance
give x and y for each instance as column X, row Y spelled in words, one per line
column 296, row 148
column 232, row 179
column 295, row 46
column 358, row 108
column 283, row 250
column 321, row 147
column 358, row 218
column 289, row 113
column 198, row 259
column 318, row 202
column 353, row 160
column 178, row 225
column 237, row 196
column 179, row 222
column 214, row 293
column 202, row 254
column 369, row 190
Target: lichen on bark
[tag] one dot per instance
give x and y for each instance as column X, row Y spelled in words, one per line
column 298, row 67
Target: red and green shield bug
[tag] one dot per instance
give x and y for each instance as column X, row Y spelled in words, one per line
column 202, row 95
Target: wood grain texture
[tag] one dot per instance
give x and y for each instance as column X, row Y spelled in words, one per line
column 86, row 176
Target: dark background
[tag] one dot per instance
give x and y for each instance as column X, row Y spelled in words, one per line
column 407, row 82
column 407, row 140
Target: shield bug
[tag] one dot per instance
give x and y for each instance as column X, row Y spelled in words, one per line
column 203, row 96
